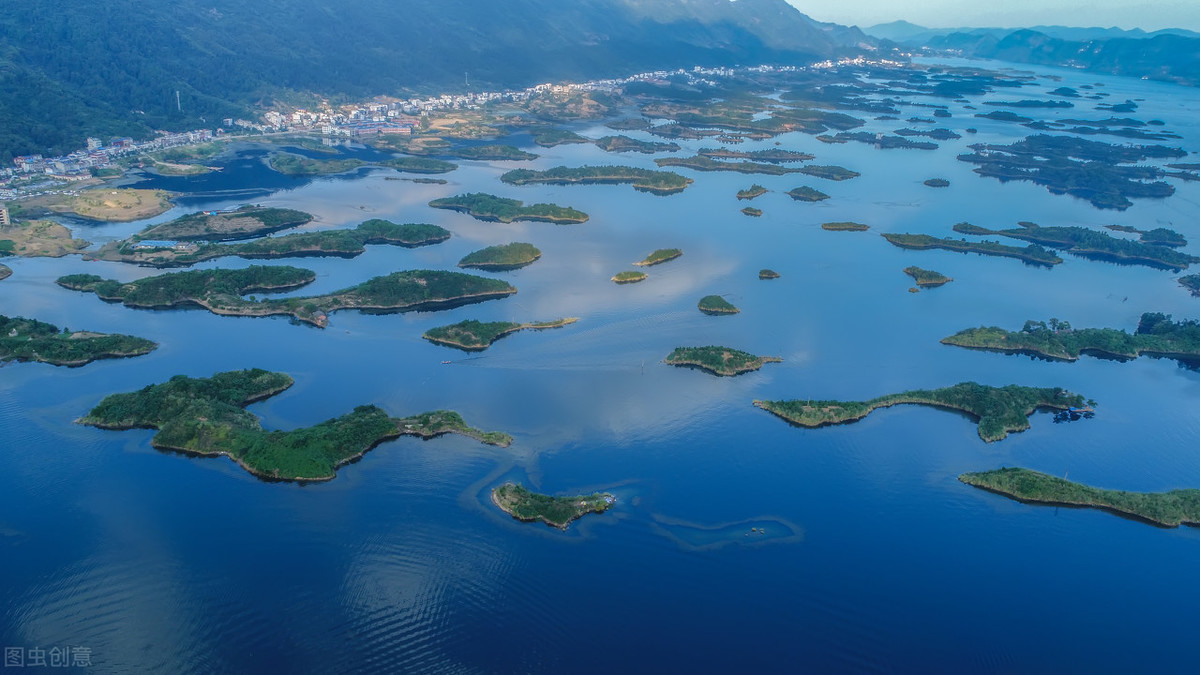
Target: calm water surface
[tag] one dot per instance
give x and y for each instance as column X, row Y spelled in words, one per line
column 876, row 558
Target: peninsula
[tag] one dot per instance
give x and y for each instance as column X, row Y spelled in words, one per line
column 1156, row 335
column 220, row 291
column 1165, row 509
column 38, row 239
column 643, row 180
column 716, row 305
column 997, row 410
column 722, row 361
column 482, row 206
column 112, row 205
column 531, row 507
column 207, row 417
column 927, row 278
column 1032, row 254
column 773, row 155
column 548, row 137
column 660, row 256
column 503, row 257
column 476, row 336
column 246, row 222
column 33, row 340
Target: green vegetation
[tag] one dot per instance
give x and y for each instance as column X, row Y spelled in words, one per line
column 1190, row 282
column 472, row 335
column 297, row 165
column 489, row 152
column 32, row 340
column 1165, row 509
column 499, row 209
column 220, row 291
column 38, row 239
column 629, row 277
column 1156, row 335
column 1032, row 254
column 550, row 137
column 702, row 163
column 807, row 194
column 246, row 222
column 926, row 277
column 884, row 142
column 751, row 211
column 937, row 183
column 775, row 155
column 504, row 257
column 1088, row 243
column 335, row 243
column 644, row 180
column 836, row 173
column 419, row 165
column 768, row 274
column 662, row 255
column 751, row 192
column 715, row 304
column 529, row 507
column 998, row 410
column 723, row 361
column 845, row 226
column 627, row 144
column 207, row 416
column 5, row 270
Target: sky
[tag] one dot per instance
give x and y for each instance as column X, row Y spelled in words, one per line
column 1144, row 14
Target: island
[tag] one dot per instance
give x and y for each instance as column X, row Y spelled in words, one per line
column 722, row 361
column 767, row 274
column 716, row 305
column 38, row 239
column 751, row 211
column 702, row 163
column 629, row 277
column 1156, row 335
column 426, row 165
column 1092, row 244
column 531, row 507
column 1190, row 282
column 998, row 411
column 845, row 227
column 658, row 257
column 807, row 194
column 927, row 278
column 221, row 292
column 627, row 144
column 882, row 141
column 290, row 164
column 207, row 417
column 5, row 272
column 476, row 336
column 1165, row 509
column 751, row 192
column 32, row 340
column 548, row 137
column 325, row 243
column 488, row 152
column 773, row 155
column 835, row 173
column 937, row 182
column 1032, row 254
column 503, row 257
column 482, row 206
column 1160, row 235
column 246, row 222
column 643, row 180
column 112, row 205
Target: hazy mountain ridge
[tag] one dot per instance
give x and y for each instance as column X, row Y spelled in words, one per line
column 905, row 32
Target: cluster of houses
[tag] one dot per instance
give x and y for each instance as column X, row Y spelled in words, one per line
column 96, row 155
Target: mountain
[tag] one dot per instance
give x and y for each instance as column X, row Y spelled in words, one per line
column 73, row 69
column 912, row 34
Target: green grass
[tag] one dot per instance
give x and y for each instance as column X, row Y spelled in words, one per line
column 925, row 277
column 244, row 223
column 662, row 255
column 723, row 361
column 1156, row 334
column 1166, row 509
column 629, row 277
column 297, row 165
column 559, row 512
column 488, row 207
column 715, row 304
column 997, row 410
column 644, row 180
column 807, row 194
column 32, row 340
column 1033, row 253
column 503, row 257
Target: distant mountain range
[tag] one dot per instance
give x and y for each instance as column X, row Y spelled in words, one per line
column 73, row 69
column 908, row 33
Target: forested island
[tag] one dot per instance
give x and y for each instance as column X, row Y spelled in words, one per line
column 702, row 163
column 751, row 192
column 627, row 144
column 1190, row 282
column 548, row 137
column 845, row 226
column 38, row 239
column 220, row 291
column 751, row 211
column 32, row 340
column 883, row 142
column 937, row 183
column 829, row 172
column 716, row 305
column 629, row 277
column 1165, row 509
column 324, row 243
column 1156, row 335
column 290, row 164
column 773, row 155
column 1092, row 244
column 998, row 411
column 529, row 507
column 1032, row 254
column 5, row 272
column 723, row 361
column 207, row 416
column 659, row 256
column 246, row 222
column 1159, row 235
column 474, row 336
column 487, row 152
column 502, row 257
column 482, row 206
column 807, row 194
column 765, row 273
column 644, row 180
column 927, row 278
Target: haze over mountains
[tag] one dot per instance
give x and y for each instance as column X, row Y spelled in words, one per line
column 906, row 32
column 70, row 70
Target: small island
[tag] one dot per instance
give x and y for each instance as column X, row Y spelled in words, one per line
column 1165, row 509
column 772, row 155
column 5, row 272
column 1094, row 245
column 38, row 239
column 807, row 194
column 998, row 411
column 548, row 137
column 751, row 211
column 702, row 163
column 503, row 153
column 1156, row 335
column 290, row 164
column 1032, row 254
column 658, row 257
column 630, row 277
column 1190, row 282
column 937, row 183
column 643, row 180
column 482, row 206
column 31, row 340
column 716, row 305
column 207, row 417
column 722, row 361
column 751, row 192
column 835, row 173
column 845, row 227
column 767, row 274
column 627, row 144
column 502, row 258
column 530, row 507
column 476, row 336
column 246, row 222
column 927, row 278
column 425, row 165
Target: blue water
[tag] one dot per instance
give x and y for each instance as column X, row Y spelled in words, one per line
column 875, row 559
